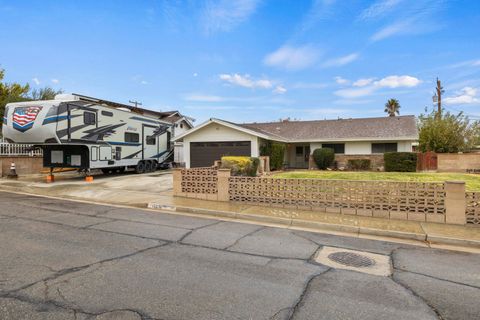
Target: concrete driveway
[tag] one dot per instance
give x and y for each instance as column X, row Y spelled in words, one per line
column 69, row 260
column 126, row 189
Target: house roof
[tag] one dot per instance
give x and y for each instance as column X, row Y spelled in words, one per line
column 342, row 129
column 382, row 128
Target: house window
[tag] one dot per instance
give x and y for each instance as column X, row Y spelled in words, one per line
column 337, row 147
column 181, row 125
column 89, row 118
column 151, row 140
column 384, row 147
column 299, row 151
column 132, row 137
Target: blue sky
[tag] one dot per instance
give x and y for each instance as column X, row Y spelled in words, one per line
column 250, row 60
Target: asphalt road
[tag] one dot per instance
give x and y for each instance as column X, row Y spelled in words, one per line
column 70, row 260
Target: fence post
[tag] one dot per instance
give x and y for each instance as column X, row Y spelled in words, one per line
column 455, row 202
column 223, row 185
column 177, row 182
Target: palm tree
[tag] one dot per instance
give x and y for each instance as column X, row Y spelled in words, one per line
column 392, row 107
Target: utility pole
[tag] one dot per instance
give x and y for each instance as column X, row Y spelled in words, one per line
column 135, row 102
column 438, row 97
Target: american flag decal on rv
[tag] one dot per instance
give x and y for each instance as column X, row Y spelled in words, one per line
column 23, row 117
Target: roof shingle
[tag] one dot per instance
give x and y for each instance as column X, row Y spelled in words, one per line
column 341, row 129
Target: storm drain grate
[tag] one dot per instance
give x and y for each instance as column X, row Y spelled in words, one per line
column 351, row 259
column 360, row 261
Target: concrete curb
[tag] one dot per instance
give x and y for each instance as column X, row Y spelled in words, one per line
column 320, row 226
column 314, row 225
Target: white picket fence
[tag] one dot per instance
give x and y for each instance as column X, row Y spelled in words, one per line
column 15, row 149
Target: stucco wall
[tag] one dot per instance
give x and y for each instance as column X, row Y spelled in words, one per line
column 364, row 147
column 180, row 128
column 458, row 162
column 216, row 133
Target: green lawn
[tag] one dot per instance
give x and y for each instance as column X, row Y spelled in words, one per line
column 472, row 181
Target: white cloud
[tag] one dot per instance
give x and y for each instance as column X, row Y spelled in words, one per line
column 393, row 29
column 379, row 8
column 355, row 93
column 341, row 80
column 341, row 61
column 246, row 81
column 370, row 86
column 37, row 82
column 398, row 81
column 279, row 90
column 292, row 58
column 195, row 74
column 476, row 63
column 319, row 10
column 224, row 15
column 55, row 81
column 418, row 17
column 203, row 98
column 467, row 95
column 143, row 82
column 363, row 82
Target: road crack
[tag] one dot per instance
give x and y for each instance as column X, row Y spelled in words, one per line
column 306, row 287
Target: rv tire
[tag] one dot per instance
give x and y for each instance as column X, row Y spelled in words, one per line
column 148, row 166
column 107, row 171
column 140, row 168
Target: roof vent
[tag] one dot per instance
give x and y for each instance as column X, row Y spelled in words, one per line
column 66, row 96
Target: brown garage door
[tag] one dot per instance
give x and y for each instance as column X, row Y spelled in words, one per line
column 204, row 154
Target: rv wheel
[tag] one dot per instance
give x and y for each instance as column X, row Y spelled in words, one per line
column 140, row 168
column 107, row 171
column 148, row 166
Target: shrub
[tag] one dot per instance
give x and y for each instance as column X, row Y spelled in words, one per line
column 276, row 152
column 323, row 157
column 241, row 166
column 400, row 161
column 359, row 164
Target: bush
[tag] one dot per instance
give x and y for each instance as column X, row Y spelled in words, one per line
column 400, row 161
column 241, row 166
column 276, row 152
column 323, row 157
column 359, row 164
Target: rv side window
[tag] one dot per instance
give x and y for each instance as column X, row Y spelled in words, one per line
column 151, row 140
column 107, row 113
column 132, row 137
column 89, row 118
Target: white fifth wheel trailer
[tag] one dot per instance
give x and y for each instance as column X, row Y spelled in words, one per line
column 86, row 133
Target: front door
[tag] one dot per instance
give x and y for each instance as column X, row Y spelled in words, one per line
column 302, row 154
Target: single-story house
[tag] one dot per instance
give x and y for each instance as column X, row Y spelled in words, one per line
column 363, row 138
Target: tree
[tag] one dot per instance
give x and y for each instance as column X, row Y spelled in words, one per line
column 14, row 92
column 392, row 107
column 46, row 93
column 447, row 134
column 11, row 92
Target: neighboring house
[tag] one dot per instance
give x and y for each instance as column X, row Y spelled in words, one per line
column 350, row 139
column 180, row 123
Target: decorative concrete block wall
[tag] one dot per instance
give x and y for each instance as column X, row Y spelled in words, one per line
column 419, row 201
